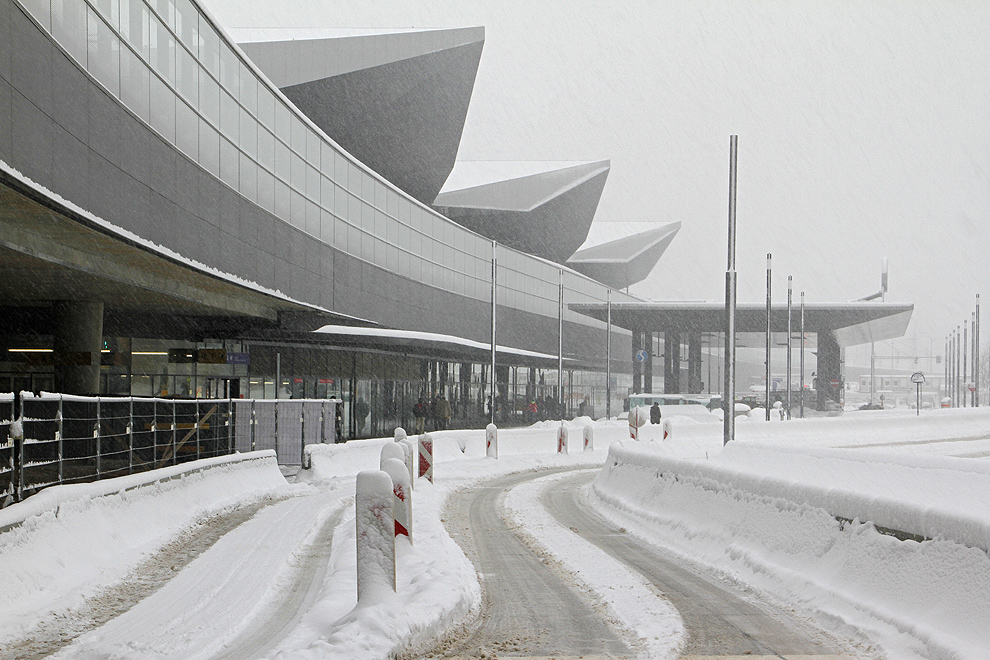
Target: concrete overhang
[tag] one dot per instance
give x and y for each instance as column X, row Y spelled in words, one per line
column 51, row 250
column 627, row 260
column 851, row 323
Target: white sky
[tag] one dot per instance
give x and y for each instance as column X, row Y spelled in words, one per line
column 864, row 130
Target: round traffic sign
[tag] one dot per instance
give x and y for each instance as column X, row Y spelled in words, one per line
column 917, row 377
column 834, row 382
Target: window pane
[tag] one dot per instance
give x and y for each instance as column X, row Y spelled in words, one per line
column 281, row 200
column 249, row 178
column 249, row 134
column 209, row 148
column 209, row 98
column 187, row 24
column 162, row 51
column 165, row 9
column 297, row 212
column 135, row 83
column 249, row 89
column 229, row 69
column 188, row 76
column 135, row 20
column 266, row 148
column 109, row 10
column 283, row 162
column 266, row 107
column 41, row 10
column 312, row 183
column 312, row 218
column 282, row 123
column 104, row 53
column 209, row 49
column 229, row 163
column 186, row 130
column 230, row 117
column 162, row 109
column 298, row 136
column 266, row 190
column 69, row 27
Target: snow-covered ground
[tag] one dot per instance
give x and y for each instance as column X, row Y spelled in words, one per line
column 781, row 509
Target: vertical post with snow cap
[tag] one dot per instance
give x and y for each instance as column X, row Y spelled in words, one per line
column 589, row 437
column 561, row 439
column 401, row 496
column 400, row 434
column 392, row 450
column 426, row 456
column 409, row 457
column 375, row 526
column 491, row 441
column 667, row 429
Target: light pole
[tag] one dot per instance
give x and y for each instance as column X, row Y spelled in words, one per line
column 802, row 355
column 494, row 297
column 790, row 280
column 769, row 335
column 729, row 402
column 608, row 354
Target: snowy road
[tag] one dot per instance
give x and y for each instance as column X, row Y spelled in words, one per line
column 529, row 610
column 720, row 621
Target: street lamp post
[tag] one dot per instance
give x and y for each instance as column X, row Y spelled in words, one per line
column 729, row 401
column 769, row 340
column 790, row 281
column 802, row 355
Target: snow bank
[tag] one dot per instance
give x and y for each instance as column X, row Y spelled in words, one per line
column 111, row 526
column 802, row 522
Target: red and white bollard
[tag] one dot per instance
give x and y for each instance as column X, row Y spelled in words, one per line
column 491, row 441
column 391, row 450
column 561, row 439
column 375, row 523
column 666, row 429
column 589, row 438
column 426, row 456
column 638, row 417
column 402, row 496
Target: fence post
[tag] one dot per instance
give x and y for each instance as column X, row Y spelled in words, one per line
column 130, row 438
column 254, row 422
column 96, row 436
column 154, row 433
column 302, row 431
column 59, row 431
column 323, row 417
column 276, row 429
column 175, row 453
column 230, row 422
column 196, row 427
column 19, row 453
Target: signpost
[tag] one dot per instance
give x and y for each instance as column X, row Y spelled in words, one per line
column 918, row 378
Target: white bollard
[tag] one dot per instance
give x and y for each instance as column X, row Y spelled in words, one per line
column 491, row 441
column 391, row 450
column 409, row 458
column 589, row 437
column 561, row 439
column 375, row 523
column 400, row 434
column 638, row 417
column 426, row 456
column 666, row 429
column 402, row 496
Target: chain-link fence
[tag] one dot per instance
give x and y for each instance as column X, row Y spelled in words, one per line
column 69, row 439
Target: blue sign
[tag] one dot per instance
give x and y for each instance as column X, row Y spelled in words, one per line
column 238, row 358
column 641, row 356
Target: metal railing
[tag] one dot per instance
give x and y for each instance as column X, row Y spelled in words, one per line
column 69, row 439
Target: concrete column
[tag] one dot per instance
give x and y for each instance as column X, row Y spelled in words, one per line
column 637, row 344
column 648, row 364
column 672, row 362
column 694, row 363
column 829, row 368
column 77, row 331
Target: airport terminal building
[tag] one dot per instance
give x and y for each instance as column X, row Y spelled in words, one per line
column 187, row 211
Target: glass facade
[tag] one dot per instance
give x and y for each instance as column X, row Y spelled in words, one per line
column 167, row 63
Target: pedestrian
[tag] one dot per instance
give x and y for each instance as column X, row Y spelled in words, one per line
column 419, row 412
column 655, row 413
column 444, row 412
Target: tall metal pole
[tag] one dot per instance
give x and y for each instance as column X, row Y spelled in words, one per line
column 729, row 400
column 802, row 355
column 494, row 298
column 972, row 358
column 560, row 343
column 976, row 352
column 965, row 340
column 608, row 354
column 945, row 378
column 769, row 337
column 789, row 293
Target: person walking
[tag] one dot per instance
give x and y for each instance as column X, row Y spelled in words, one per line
column 419, row 412
column 444, row 412
column 655, row 414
